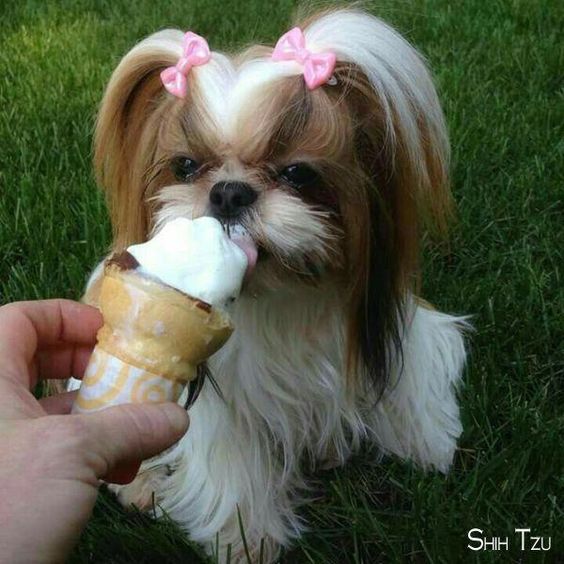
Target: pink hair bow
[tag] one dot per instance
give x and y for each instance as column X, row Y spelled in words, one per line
column 318, row 67
column 194, row 52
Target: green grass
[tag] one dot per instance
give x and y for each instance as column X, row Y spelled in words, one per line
column 499, row 66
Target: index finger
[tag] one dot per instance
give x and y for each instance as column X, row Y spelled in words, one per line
column 27, row 326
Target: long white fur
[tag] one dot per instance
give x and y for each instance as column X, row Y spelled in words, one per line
column 396, row 71
column 282, row 372
column 418, row 416
column 281, row 375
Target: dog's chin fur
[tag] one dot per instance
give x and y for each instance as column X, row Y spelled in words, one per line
column 331, row 346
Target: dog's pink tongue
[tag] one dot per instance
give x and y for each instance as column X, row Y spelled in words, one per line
column 248, row 246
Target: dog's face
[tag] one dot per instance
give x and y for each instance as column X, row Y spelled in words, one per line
column 276, row 167
column 330, row 183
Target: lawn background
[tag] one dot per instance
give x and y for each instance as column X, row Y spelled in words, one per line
column 499, row 67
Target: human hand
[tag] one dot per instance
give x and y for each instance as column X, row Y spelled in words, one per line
column 51, row 462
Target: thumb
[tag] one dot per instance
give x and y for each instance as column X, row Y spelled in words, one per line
column 127, row 434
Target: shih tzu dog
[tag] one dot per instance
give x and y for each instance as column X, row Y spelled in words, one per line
column 330, row 149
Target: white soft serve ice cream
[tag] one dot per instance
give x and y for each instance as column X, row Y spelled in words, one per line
column 197, row 258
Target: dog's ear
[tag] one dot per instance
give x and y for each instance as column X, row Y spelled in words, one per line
column 127, row 130
column 401, row 151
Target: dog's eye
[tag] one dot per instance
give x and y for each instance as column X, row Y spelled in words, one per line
column 298, row 175
column 184, row 168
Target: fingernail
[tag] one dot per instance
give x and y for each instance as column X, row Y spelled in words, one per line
column 177, row 417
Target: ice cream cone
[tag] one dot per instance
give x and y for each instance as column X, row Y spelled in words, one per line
column 152, row 340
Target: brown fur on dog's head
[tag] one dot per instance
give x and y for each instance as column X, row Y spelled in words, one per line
column 372, row 144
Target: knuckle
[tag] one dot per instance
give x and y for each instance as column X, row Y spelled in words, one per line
column 69, row 431
column 147, row 429
column 142, row 425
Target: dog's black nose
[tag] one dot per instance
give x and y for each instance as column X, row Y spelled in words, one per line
column 229, row 199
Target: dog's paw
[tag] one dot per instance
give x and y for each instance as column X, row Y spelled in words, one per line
column 265, row 551
column 143, row 491
column 331, row 458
